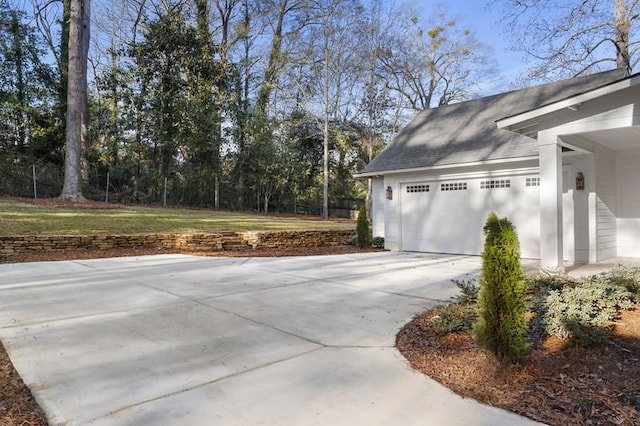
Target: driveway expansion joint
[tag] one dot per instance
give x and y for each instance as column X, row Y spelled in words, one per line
column 207, row 383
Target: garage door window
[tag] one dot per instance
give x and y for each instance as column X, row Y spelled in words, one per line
column 457, row 186
column 418, row 188
column 532, row 181
column 495, row 183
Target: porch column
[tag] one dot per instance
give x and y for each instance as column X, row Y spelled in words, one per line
column 550, row 201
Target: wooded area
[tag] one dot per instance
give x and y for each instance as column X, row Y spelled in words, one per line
column 239, row 104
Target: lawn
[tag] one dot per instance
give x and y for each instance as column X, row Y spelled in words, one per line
column 22, row 218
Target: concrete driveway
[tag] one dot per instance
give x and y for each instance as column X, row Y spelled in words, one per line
column 175, row 339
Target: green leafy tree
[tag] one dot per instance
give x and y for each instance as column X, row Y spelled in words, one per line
column 501, row 326
column 27, row 97
column 166, row 67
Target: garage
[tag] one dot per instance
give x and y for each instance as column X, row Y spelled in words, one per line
column 447, row 216
column 559, row 160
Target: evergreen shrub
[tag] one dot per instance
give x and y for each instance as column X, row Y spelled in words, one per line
column 377, row 242
column 501, row 326
column 362, row 229
column 454, row 317
column 626, row 277
column 468, row 291
column 462, row 313
column 584, row 310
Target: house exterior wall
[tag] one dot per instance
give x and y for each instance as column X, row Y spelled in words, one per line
column 391, row 240
column 628, row 203
column 606, row 190
column 378, row 206
column 579, row 209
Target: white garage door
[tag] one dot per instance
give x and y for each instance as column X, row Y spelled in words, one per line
column 448, row 216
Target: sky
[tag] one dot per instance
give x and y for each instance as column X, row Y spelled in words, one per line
column 481, row 17
column 484, row 20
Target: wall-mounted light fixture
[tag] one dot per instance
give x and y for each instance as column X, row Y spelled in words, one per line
column 580, row 181
column 389, row 193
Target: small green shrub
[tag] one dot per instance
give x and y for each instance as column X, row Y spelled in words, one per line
column 581, row 308
column 362, row 229
column 454, row 317
column 584, row 309
column 629, row 278
column 547, row 281
column 501, row 325
column 377, row 242
column 468, row 291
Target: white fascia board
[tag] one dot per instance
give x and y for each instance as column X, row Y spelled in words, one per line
column 528, row 171
column 444, row 166
column 572, row 102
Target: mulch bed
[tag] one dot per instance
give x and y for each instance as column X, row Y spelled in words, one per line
column 17, row 406
column 560, row 383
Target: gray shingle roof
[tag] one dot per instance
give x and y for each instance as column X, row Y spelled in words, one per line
column 466, row 132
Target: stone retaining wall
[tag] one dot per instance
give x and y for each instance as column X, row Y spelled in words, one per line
column 15, row 245
column 283, row 239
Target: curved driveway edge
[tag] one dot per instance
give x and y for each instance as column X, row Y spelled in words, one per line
column 177, row 339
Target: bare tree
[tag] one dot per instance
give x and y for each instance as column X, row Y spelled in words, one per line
column 434, row 64
column 567, row 38
column 76, row 98
column 331, row 59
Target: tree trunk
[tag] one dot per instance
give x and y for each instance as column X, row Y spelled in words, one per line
column 64, row 67
column 18, row 52
column 274, row 60
column 622, row 29
column 76, row 101
column 84, row 125
column 325, row 137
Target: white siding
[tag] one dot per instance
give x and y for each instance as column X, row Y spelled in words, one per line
column 377, row 199
column 606, row 223
column 628, row 206
column 391, row 240
column 578, row 212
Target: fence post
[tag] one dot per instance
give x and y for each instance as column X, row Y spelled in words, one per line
column 164, row 194
column 106, row 195
column 35, row 185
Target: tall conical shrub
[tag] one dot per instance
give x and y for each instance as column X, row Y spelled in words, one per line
column 501, row 326
column 362, row 228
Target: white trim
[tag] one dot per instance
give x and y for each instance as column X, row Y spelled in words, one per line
column 574, row 101
column 444, row 166
column 472, row 175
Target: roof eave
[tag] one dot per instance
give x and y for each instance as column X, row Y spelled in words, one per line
column 379, row 173
column 514, row 122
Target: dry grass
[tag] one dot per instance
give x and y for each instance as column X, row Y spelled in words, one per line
column 50, row 217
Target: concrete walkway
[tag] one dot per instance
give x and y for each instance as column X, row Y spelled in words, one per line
column 182, row 340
